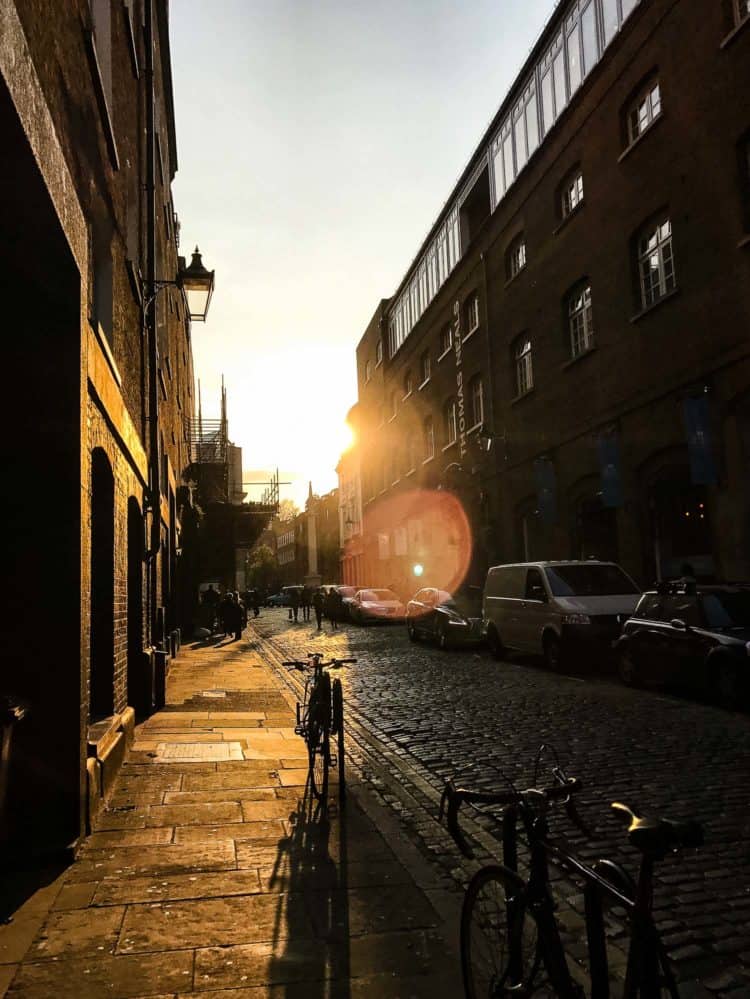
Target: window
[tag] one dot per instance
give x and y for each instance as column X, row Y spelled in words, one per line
column 589, row 38
column 449, row 421
column 394, row 404
column 524, row 371
column 643, row 111
column 424, row 368
column 378, row 353
column 656, row 263
column 408, row 384
column 572, row 193
column 741, row 11
column 476, row 401
column 429, row 439
column 515, row 258
column 413, row 452
column 580, row 321
column 368, row 371
column 446, row 339
column 471, row 313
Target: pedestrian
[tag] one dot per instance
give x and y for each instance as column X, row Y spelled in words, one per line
column 234, row 616
column 317, row 602
column 294, row 602
column 305, row 602
column 332, row 609
column 225, row 612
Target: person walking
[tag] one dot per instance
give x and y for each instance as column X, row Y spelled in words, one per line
column 305, row 600
column 234, row 616
column 225, row 612
column 294, row 603
column 317, row 602
column 332, row 609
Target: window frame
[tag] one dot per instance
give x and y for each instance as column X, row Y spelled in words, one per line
column 450, row 423
column 643, row 98
column 428, row 438
column 408, row 384
column 523, row 350
column 424, row 366
column 572, row 183
column 471, row 314
column 368, row 370
column 582, row 334
column 474, row 384
column 447, row 330
column 516, row 250
column 645, row 233
column 378, row 353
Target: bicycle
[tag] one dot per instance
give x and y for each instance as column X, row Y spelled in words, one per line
column 508, row 929
column 320, row 715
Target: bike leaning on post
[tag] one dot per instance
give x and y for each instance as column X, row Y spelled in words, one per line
column 510, row 941
column 320, row 717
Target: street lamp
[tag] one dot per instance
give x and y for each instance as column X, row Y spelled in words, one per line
column 197, row 284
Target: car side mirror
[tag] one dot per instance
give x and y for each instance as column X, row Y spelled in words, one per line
column 678, row 624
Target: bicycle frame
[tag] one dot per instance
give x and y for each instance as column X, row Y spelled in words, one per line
column 647, row 968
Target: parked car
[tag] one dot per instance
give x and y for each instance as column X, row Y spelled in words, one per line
column 694, row 635
column 277, row 600
column 552, row 608
column 368, row 606
column 448, row 620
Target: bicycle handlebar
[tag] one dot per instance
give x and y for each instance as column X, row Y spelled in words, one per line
column 454, row 797
column 303, row 664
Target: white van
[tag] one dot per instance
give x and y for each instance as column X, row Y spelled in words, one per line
column 548, row 608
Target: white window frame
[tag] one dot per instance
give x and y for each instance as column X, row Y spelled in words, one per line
column 450, row 424
column 428, row 436
column 424, row 368
column 580, row 320
column 476, row 396
column 572, row 194
column 471, row 313
column 516, row 256
column 446, row 350
column 524, row 366
column 644, row 110
column 656, row 270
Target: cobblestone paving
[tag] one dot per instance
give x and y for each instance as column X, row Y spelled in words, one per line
column 433, row 714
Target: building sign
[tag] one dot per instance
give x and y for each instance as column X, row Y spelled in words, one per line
column 460, row 408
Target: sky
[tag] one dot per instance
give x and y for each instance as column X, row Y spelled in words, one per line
column 317, row 141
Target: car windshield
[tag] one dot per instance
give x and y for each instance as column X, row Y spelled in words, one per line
column 727, row 608
column 379, row 595
column 589, row 580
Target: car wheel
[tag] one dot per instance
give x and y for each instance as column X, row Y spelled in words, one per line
column 441, row 633
column 727, row 683
column 495, row 642
column 553, row 656
column 627, row 668
column 412, row 631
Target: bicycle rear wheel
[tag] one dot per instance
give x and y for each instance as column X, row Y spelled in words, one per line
column 337, row 729
column 318, row 736
column 498, row 936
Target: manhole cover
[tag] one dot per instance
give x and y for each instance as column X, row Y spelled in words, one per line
column 197, row 752
column 213, row 693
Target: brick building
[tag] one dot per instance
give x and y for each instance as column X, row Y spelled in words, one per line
column 581, row 306
column 100, row 348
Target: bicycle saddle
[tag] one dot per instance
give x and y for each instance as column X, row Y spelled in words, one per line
column 658, row 836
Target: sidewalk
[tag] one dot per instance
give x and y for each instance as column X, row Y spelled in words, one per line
column 211, row 873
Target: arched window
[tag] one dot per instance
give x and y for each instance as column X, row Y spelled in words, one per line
column 449, row 422
column 643, row 110
column 476, row 401
column 580, row 320
column 515, row 257
column 524, row 369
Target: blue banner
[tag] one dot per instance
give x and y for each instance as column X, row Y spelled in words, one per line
column 608, row 446
column 546, row 488
column 700, row 447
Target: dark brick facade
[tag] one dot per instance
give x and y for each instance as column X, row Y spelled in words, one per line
column 596, row 458
column 74, row 89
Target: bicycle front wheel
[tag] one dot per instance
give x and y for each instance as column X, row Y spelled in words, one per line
column 498, row 936
column 338, row 730
column 319, row 753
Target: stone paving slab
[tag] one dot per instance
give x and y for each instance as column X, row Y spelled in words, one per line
column 126, row 977
column 272, row 830
column 136, row 861
column 221, row 794
column 207, row 813
column 175, row 888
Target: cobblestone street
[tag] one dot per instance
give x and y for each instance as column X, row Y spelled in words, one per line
column 418, row 715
